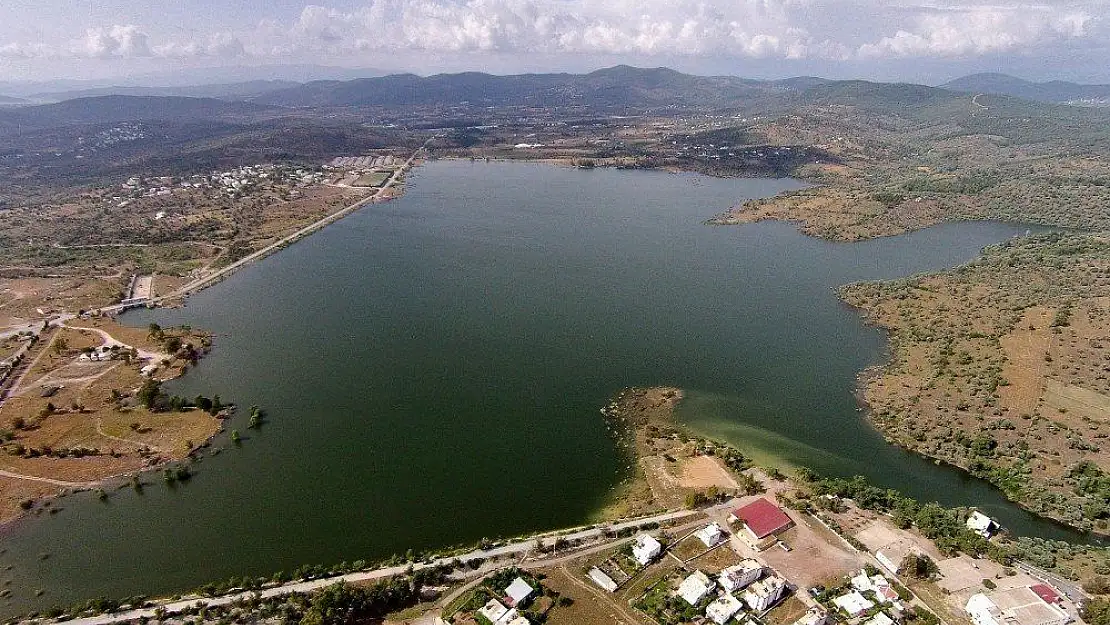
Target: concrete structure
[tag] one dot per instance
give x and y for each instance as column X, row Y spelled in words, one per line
column 518, row 592
column 763, row 594
column 721, row 610
column 710, row 534
column 493, row 610
column 739, row 576
column 853, row 603
column 879, row 619
column 513, row 618
column 982, row 524
column 646, row 549
column 601, row 579
column 1017, row 606
column 815, row 616
column 879, row 585
column 695, row 587
column 762, row 521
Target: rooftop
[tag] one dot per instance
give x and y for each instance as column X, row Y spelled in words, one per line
column 763, row 518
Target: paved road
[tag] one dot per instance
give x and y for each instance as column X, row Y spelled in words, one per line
column 520, row 547
column 200, row 283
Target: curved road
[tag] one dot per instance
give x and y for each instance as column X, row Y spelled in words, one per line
column 519, row 547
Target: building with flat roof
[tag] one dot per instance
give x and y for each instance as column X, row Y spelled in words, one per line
column 763, row 594
column 853, row 603
column 695, row 587
column 518, row 592
column 1017, row 606
column 982, row 524
column 601, row 579
column 646, row 548
column 721, row 610
column 710, row 534
column 493, row 610
column 815, row 616
column 739, row 576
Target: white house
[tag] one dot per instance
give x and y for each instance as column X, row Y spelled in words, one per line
column 739, row 576
column 518, row 592
column 879, row 619
column 1017, row 606
column 695, row 587
column 815, row 616
column 853, row 603
column 721, row 610
column 763, row 594
column 493, row 610
column 512, row 617
column 601, row 579
column 981, row 524
column 710, row 534
column 646, row 549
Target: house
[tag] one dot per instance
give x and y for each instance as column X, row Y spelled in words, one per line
column 512, row 617
column 762, row 521
column 695, row 587
column 1017, row 606
column 815, row 616
column 493, row 610
column 710, row 534
column 739, row 576
column 646, row 549
column 763, row 594
column 721, row 610
column 879, row 585
column 853, row 603
column 601, row 579
column 518, row 592
column 879, row 619
column 982, row 524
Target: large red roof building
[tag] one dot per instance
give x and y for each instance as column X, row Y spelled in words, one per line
column 762, row 519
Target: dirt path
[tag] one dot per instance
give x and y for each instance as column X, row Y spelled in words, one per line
column 46, row 480
column 607, row 599
column 110, row 341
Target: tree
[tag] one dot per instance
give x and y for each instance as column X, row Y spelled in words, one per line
column 60, row 345
column 149, row 393
column 155, row 332
column 918, row 566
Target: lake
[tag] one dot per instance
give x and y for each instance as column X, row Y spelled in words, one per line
column 433, row 369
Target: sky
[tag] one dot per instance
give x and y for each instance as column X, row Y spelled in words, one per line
column 132, row 41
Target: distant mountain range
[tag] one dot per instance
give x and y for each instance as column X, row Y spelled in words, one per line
column 613, row 87
column 226, row 91
column 1056, row 91
column 117, row 109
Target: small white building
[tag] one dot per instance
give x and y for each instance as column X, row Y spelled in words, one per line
column 1017, row 606
column 815, row 616
column 493, row 610
column 601, row 579
column 512, row 617
column 879, row 619
column 710, row 534
column 518, row 592
column 695, row 587
column 853, row 603
column 763, row 594
column 982, row 524
column 646, row 548
column 721, row 610
column 739, row 576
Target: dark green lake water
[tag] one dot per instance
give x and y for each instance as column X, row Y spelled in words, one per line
column 433, row 369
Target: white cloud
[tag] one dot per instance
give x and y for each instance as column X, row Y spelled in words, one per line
column 118, row 41
column 632, row 30
column 979, row 30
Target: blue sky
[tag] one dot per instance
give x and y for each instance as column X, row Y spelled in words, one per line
column 918, row 40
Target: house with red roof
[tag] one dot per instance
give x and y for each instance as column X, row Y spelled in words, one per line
column 763, row 521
